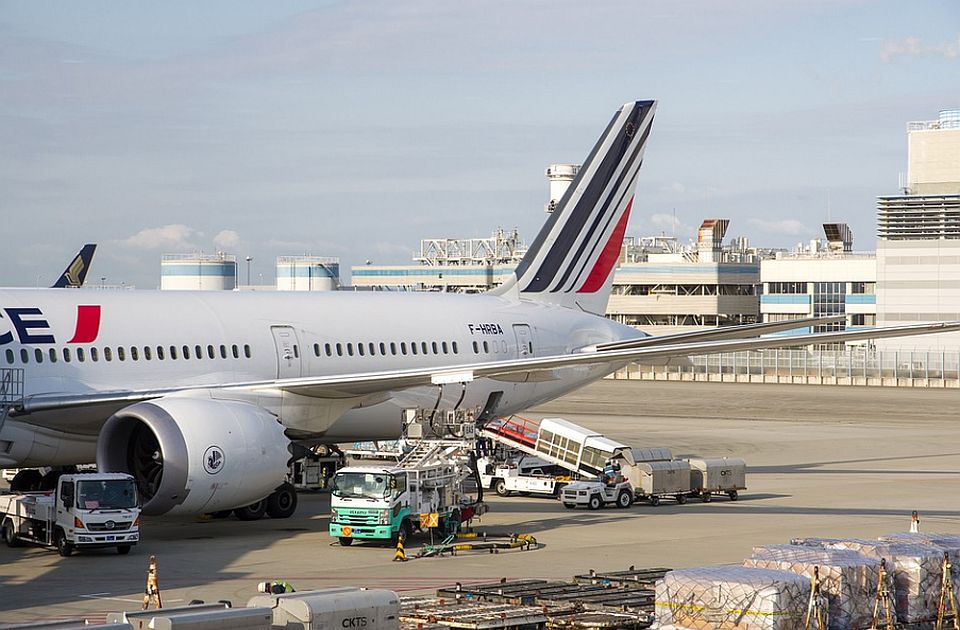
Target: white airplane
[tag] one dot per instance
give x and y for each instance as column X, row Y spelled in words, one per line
column 201, row 396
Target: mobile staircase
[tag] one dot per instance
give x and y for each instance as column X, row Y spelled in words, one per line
column 11, row 391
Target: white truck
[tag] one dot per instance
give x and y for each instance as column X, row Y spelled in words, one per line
column 384, row 501
column 85, row 511
column 522, row 474
column 595, row 494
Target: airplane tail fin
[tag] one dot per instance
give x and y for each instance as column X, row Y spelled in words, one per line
column 76, row 272
column 571, row 261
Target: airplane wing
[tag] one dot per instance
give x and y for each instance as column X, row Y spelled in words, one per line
column 536, row 368
column 715, row 334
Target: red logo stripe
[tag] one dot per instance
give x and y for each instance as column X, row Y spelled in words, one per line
column 88, row 323
column 608, row 257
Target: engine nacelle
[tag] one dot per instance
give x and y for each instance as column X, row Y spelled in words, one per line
column 193, row 455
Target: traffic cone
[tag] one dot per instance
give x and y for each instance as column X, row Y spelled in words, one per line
column 400, row 556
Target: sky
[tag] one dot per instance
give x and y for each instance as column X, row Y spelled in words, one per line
column 355, row 129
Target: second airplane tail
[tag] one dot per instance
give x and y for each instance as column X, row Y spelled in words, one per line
column 76, row 272
column 571, row 261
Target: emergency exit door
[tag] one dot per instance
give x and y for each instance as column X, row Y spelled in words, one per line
column 524, row 340
column 288, row 351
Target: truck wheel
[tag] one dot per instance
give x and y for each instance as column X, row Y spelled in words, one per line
column 570, row 506
column 733, row 495
column 654, row 501
column 9, row 536
column 64, row 548
column 252, row 512
column 706, row 497
column 501, row 488
column 595, row 502
column 681, row 499
column 624, row 499
column 123, row 549
column 345, row 542
column 283, row 502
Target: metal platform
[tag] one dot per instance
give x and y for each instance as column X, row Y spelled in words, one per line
column 631, row 578
column 430, row 612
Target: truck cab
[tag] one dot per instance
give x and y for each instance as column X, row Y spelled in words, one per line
column 369, row 502
column 85, row 511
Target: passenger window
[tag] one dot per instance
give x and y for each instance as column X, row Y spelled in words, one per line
column 121, row 354
column 393, row 348
column 327, row 350
column 159, row 353
column 316, row 349
column 413, row 347
column 434, row 347
column 211, row 353
column 236, row 351
column 38, row 353
column 456, row 350
column 186, row 352
column 173, row 352
column 94, row 355
column 360, row 349
column 9, row 354
column 383, row 349
column 107, row 354
column 339, row 350
column 486, row 347
column 53, row 355
column 24, row 356
column 80, row 356
column 66, row 355
column 296, row 351
column 423, row 346
column 350, row 349
column 403, row 347
column 134, row 353
column 372, row 347
column 147, row 353
column 443, row 346
column 197, row 352
column 223, row 351
column 246, row 350
column 476, row 348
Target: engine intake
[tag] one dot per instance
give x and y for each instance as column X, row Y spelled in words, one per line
column 193, row 455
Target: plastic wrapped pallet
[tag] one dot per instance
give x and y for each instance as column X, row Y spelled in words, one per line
column 914, row 568
column 945, row 543
column 732, row 598
column 848, row 579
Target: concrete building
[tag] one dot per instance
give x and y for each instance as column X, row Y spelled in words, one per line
column 918, row 251
column 308, row 273
column 663, row 288
column 198, row 272
column 819, row 281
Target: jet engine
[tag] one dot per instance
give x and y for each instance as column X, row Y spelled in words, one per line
column 195, row 455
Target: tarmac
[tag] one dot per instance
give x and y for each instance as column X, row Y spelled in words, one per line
column 823, row 461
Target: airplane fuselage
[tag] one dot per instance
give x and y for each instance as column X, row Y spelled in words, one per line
column 85, row 342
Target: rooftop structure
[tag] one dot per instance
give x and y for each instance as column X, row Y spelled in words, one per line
column 308, row 273
column 198, row 272
column 933, row 155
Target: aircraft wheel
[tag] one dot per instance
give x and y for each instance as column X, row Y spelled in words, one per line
column 253, row 511
column 283, row 502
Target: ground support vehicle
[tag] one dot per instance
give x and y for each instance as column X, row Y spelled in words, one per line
column 423, row 491
column 595, row 494
column 316, row 470
column 511, row 477
column 653, row 481
column 85, row 511
column 718, row 476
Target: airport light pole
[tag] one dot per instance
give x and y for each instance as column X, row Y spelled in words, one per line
column 249, row 259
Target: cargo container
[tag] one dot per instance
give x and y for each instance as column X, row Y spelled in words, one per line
column 653, row 481
column 718, row 476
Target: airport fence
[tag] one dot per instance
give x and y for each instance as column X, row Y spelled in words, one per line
column 849, row 366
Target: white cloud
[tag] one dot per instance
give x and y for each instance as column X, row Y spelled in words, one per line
column 790, row 227
column 173, row 237
column 915, row 47
column 226, row 239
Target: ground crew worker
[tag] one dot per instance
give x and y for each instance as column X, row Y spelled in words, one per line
column 275, row 587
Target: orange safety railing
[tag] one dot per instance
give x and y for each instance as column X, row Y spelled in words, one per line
column 516, row 428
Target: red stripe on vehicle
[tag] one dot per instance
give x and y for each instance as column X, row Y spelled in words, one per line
column 608, row 257
column 88, row 323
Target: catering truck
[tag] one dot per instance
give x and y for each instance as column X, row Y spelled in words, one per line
column 84, row 511
column 423, row 491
